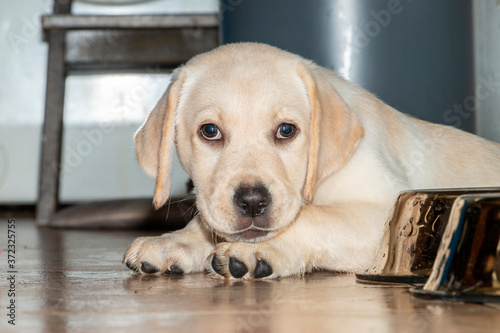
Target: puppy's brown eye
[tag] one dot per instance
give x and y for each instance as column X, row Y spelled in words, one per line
column 210, row 132
column 286, row 131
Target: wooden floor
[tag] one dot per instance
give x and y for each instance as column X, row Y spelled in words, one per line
column 73, row 281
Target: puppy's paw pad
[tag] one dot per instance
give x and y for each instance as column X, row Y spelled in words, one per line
column 131, row 266
column 262, row 269
column 241, row 261
column 218, row 266
column 237, row 268
column 174, row 270
column 148, row 268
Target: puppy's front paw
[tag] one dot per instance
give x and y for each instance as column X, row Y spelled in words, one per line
column 179, row 252
column 248, row 261
column 151, row 255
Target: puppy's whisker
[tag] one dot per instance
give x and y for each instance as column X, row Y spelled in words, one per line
column 214, row 236
column 189, row 210
column 168, row 207
column 187, row 198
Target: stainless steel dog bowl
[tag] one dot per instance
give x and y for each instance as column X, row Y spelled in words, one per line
column 467, row 265
column 412, row 235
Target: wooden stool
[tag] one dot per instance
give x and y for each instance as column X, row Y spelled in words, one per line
column 82, row 42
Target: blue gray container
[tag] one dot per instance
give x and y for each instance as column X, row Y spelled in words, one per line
column 417, row 56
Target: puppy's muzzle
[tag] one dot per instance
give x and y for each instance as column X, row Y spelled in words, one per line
column 252, row 201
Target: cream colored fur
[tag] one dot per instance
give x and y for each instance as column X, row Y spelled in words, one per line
column 332, row 184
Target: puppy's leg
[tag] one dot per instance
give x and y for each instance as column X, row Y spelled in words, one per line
column 178, row 252
column 337, row 238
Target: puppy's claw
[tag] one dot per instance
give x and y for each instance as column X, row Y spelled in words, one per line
column 237, row 268
column 148, row 268
column 129, row 265
column 262, row 269
column 174, row 270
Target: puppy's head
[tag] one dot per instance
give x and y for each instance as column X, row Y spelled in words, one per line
column 256, row 128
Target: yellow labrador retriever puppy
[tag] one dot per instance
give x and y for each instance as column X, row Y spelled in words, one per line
column 295, row 168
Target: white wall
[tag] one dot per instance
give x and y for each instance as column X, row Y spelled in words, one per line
column 97, row 163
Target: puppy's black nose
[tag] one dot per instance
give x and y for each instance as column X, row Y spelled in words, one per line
column 252, row 201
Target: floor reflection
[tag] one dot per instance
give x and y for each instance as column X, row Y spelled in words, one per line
column 72, row 281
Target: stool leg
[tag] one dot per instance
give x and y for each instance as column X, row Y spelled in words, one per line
column 48, row 191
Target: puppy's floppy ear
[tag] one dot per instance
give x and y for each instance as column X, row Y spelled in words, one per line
column 155, row 140
column 335, row 131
